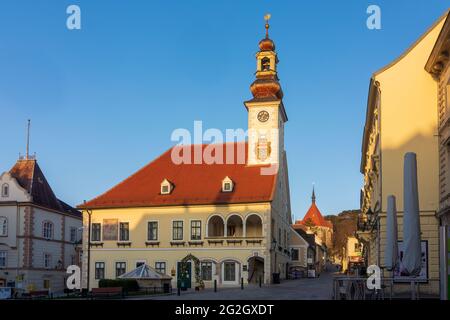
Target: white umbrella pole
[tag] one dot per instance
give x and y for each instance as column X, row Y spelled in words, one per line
column 411, row 221
column 391, row 248
column 411, row 217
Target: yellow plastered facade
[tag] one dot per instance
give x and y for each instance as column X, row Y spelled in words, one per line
column 237, row 249
column 402, row 117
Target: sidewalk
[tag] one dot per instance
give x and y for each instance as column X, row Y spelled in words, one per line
column 301, row 289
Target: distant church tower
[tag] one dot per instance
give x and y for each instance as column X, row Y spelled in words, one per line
column 314, row 222
column 266, row 113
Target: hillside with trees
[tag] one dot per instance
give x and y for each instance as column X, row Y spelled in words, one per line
column 344, row 225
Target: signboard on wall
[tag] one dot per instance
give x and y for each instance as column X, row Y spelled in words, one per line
column 423, row 276
column 357, row 259
column 110, row 229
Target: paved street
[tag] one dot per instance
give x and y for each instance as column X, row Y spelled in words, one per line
column 302, row 289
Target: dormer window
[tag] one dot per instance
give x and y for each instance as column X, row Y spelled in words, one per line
column 5, row 190
column 227, row 185
column 166, row 187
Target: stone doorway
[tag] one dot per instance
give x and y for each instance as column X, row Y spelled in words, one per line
column 255, row 270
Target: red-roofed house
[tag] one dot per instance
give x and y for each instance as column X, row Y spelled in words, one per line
column 229, row 219
column 38, row 232
column 314, row 222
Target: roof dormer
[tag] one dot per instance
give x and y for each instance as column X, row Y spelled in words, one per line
column 227, row 184
column 166, row 187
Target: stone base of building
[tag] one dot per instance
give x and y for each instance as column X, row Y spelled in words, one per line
column 34, row 280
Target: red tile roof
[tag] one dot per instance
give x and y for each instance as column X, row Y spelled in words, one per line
column 316, row 217
column 194, row 184
column 30, row 177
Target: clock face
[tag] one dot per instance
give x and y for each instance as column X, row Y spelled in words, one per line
column 263, row 116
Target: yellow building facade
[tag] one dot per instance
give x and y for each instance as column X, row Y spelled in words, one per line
column 228, row 221
column 402, row 117
column 352, row 253
column 439, row 67
column 213, row 248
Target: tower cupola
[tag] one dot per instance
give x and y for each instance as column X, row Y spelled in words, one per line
column 266, row 84
column 266, row 114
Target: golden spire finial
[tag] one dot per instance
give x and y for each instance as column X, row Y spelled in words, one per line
column 267, row 18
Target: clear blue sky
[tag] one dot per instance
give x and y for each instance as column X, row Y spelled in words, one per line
column 104, row 100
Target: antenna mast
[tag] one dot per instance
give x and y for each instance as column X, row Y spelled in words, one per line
column 28, row 140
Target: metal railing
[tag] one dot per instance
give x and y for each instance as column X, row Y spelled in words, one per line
column 355, row 288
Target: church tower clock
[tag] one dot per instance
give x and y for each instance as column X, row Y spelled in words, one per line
column 266, row 113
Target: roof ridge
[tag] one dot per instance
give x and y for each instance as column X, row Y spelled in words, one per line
column 49, row 187
column 32, row 178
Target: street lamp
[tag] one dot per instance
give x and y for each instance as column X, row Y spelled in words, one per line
column 370, row 216
column 273, row 244
column 89, row 212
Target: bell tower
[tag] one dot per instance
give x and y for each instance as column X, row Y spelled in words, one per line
column 266, row 113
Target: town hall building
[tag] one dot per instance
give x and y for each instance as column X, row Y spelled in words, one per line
column 227, row 221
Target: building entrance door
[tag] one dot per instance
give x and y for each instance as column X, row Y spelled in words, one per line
column 184, row 278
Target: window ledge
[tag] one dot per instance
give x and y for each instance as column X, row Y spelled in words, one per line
column 96, row 244
column 177, row 243
column 123, row 243
column 195, row 242
column 215, row 241
column 152, row 243
column 254, row 240
column 234, row 241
